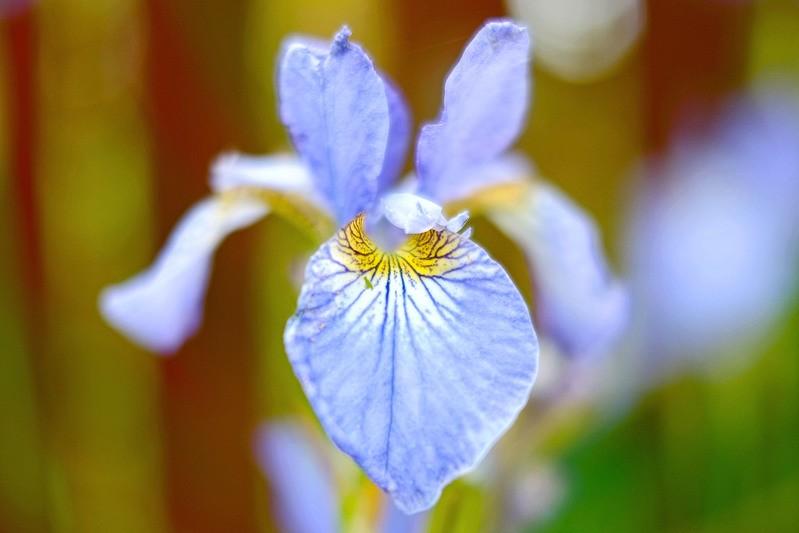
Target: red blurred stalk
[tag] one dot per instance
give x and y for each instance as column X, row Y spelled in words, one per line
column 21, row 44
column 208, row 409
column 19, row 32
column 696, row 55
column 433, row 35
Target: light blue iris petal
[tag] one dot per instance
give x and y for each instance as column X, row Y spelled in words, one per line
column 759, row 131
column 485, row 102
column 285, row 173
column 399, row 136
column 304, row 495
column 163, row 306
column 581, row 306
column 281, row 172
column 335, row 107
column 507, row 168
column 416, row 373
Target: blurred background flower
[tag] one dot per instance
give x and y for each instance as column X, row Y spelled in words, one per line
column 715, row 234
column 660, row 119
column 578, row 40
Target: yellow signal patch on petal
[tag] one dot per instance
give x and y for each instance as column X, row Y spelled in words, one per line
column 432, row 253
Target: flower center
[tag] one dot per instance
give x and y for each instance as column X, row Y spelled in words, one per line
column 432, row 253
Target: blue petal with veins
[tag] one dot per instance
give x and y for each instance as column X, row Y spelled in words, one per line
column 485, row 104
column 336, row 109
column 417, row 373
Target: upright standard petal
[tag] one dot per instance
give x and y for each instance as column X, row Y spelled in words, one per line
column 485, row 102
column 163, row 306
column 415, row 361
column 581, row 306
column 399, row 136
column 304, row 495
column 335, row 107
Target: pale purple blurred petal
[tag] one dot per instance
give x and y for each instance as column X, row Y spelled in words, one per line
column 706, row 263
column 396, row 521
column 11, row 8
column 714, row 235
column 304, row 495
column 335, row 107
column 580, row 305
column 761, row 129
column 163, row 306
column 485, row 103
column 281, row 172
column 284, row 173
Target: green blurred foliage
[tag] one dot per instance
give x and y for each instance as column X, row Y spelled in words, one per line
column 696, row 455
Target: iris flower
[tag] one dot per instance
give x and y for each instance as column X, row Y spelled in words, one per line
column 415, row 360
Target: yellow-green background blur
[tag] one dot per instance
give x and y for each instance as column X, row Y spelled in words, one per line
column 110, row 113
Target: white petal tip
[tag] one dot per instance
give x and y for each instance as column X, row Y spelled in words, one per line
column 124, row 307
column 414, row 214
column 456, row 223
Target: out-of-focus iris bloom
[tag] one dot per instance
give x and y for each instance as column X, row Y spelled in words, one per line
column 303, row 489
column 304, row 497
column 415, row 360
column 714, row 237
column 578, row 40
